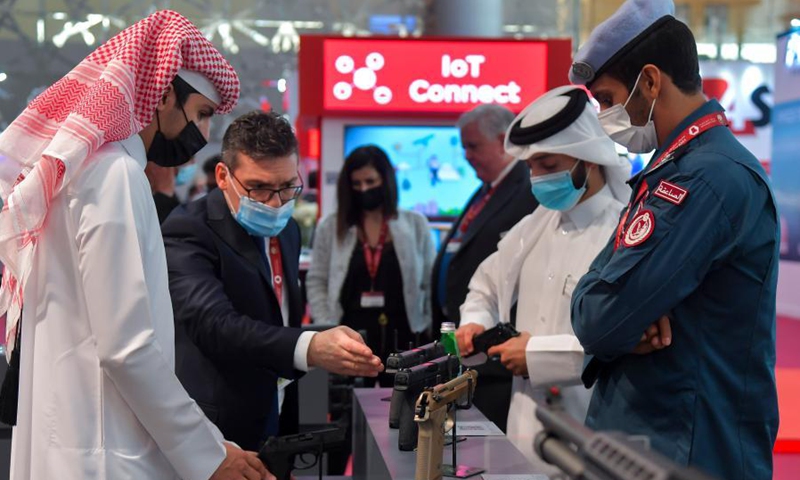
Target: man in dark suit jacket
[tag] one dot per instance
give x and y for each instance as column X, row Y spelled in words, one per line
column 498, row 205
column 233, row 266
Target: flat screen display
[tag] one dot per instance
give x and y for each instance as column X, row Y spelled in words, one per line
column 433, row 177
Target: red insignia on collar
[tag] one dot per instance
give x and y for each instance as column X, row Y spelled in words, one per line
column 640, row 229
column 670, row 192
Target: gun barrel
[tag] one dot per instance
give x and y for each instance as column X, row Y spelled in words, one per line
column 455, row 388
column 445, row 368
column 555, row 452
column 584, row 454
column 563, row 426
column 414, row 357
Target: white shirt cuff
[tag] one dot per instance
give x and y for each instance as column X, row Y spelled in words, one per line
column 554, row 360
column 486, row 321
column 301, row 351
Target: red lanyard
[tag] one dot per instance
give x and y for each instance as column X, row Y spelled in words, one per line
column 621, row 227
column 475, row 210
column 372, row 257
column 694, row 130
column 276, row 265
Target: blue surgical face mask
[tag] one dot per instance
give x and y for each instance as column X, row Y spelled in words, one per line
column 261, row 220
column 186, row 174
column 556, row 191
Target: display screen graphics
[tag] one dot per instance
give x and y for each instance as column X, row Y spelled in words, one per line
column 433, row 177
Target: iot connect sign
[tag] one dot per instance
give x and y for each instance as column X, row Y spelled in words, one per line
column 431, row 76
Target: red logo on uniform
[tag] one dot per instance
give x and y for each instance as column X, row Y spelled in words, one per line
column 671, row 192
column 640, row 229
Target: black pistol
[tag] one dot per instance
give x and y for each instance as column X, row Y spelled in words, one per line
column 408, row 359
column 413, row 357
column 486, row 340
column 409, row 384
column 278, row 453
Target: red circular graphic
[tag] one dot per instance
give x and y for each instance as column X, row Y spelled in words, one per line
column 640, row 229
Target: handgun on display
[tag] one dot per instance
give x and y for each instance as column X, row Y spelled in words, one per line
column 413, row 357
column 409, row 384
column 486, row 340
column 408, row 359
column 278, row 453
column 434, row 418
column 407, row 362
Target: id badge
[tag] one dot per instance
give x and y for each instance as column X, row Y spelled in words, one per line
column 453, row 247
column 372, row 300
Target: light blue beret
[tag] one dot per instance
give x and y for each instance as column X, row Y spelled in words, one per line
column 610, row 40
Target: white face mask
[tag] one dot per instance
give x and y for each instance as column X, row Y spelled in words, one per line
column 617, row 124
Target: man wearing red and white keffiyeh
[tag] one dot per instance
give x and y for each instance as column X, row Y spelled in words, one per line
column 85, row 286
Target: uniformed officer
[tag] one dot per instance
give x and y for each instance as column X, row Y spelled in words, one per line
column 696, row 247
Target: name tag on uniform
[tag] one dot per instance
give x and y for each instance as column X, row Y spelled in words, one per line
column 453, row 247
column 372, row 300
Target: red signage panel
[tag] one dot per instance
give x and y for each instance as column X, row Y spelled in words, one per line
column 431, row 76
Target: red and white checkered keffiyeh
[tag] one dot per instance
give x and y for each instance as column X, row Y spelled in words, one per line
column 111, row 95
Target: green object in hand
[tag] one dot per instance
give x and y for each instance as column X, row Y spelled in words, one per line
column 448, row 339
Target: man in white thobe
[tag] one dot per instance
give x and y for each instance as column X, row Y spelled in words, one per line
column 98, row 397
column 578, row 179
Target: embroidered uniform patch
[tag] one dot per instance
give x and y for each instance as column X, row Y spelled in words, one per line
column 640, row 229
column 670, row 192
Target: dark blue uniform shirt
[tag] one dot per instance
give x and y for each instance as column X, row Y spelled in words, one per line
column 709, row 261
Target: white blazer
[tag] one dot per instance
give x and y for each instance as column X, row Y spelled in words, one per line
column 330, row 260
column 98, row 396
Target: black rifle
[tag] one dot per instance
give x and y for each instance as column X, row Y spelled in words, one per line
column 409, row 384
column 583, row 454
column 413, row 357
column 488, row 339
column 278, row 453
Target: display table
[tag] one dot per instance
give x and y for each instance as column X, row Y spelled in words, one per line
column 376, row 456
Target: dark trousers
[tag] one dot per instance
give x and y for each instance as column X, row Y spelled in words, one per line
column 493, row 392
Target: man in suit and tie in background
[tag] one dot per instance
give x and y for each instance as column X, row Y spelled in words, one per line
column 498, row 205
column 233, row 275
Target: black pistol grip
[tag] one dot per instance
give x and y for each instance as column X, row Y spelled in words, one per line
column 407, row 437
column 394, row 408
column 279, row 465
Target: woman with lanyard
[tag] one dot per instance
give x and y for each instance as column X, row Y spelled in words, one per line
column 371, row 262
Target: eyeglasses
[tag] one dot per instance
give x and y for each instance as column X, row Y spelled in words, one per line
column 264, row 195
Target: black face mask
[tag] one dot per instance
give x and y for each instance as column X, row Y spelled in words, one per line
column 177, row 151
column 369, row 199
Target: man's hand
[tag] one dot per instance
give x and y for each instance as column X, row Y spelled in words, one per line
column 239, row 464
column 341, row 350
column 512, row 353
column 658, row 336
column 464, row 336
